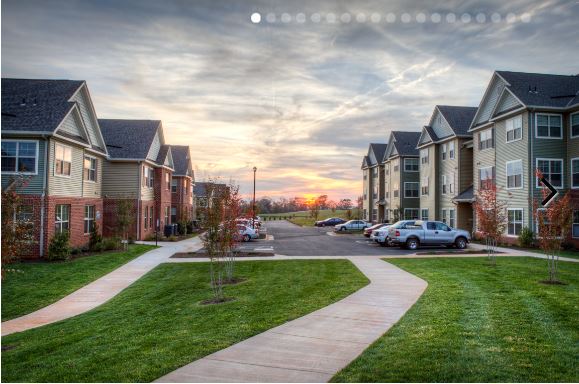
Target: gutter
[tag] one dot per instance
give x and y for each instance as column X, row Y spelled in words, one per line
column 139, row 182
column 531, row 167
column 44, row 193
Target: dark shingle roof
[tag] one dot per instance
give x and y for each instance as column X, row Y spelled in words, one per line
column 365, row 161
column 378, row 149
column 459, row 118
column 128, row 139
column 406, row 142
column 36, row 105
column 181, row 159
column 465, row 196
column 162, row 154
column 543, row 90
column 200, row 188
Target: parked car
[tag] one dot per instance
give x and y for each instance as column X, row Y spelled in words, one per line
column 332, row 221
column 246, row 233
column 413, row 233
column 352, row 225
column 380, row 235
column 368, row 231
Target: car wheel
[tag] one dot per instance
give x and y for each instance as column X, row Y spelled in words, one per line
column 412, row 244
column 461, row 243
column 246, row 238
column 342, row 228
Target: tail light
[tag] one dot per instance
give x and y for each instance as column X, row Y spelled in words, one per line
column 397, row 233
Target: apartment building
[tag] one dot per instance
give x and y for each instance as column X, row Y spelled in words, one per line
column 527, row 121
column 52, row 141
column 182, row 184
column 373, row 180
column 446, row 153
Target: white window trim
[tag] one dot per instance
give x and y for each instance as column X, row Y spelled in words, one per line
column 522, row 220
column 507, row 175
column 478, row 175
column 405, row 189
column 548, row 137
column 96, row 176
column 443, row 152
column 443, row 184
column 491, row 129
column 451, row 152
column 410, row 209
column 422, row 212
column 537, row 186
column 571, row 125
column 573, row 223
column 54, row 162
column 571, row 172
column 507, row 130
column 454, row 218
column 37, row 157
column 412, row 158
column 85, row 219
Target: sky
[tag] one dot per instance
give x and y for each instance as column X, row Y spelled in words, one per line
column 297, row 89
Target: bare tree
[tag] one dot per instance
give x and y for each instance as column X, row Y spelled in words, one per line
column 125, row 217
column 491, row 218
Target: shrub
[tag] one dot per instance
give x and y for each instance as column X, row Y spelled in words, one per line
column 111, row 243
column 150, row 237
column 190, row 227
column 131, row 240
column 98, row 247
column 182, row 227
column 95, row 238
column 526, row 238
column 568, row 246
column 172, row 238
column 76, row 250
column 59, row 248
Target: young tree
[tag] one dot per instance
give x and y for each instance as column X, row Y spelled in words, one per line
column 332, row 205
column 359, row 206
column 125, row 216
column 553, row 224
column 491, row 217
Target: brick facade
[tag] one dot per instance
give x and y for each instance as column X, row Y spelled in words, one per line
column 182, row 198
column 163, row 196
column 110, row 208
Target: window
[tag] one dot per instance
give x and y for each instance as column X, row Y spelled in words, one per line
column 365, row 175
column 411, row 165
column 575, row 172
column 424, row 190
column 62, row 160
column 19, row 156
column 375, row 191
column 174, row 186
column 173, row 214
column 374, row 172
column 396, row 166
column 151, row 219
column 486, row 177
column 168, row 180
column 146, row 218
column 542, row 215
column 451, row 183
column 451, row 217
column 387, row 170
column 576, row 223
column 395, row 192
column 444, row 216
column 425, row 155
column 411, row 213
column 514, row 221
column 167, row 210
column 24, row 214
column 374, row 214
column 89, row 218
column 444, row 184
column 411, row 189
column 443, row 151
column 62, row 218
column 486, row 139
column 90, row 168
column 548, row 126
column 148, row 177
column 552, row 170
column 575, row 125
column 514, row 174
column 424, row 214
column 514, row 128
column 451, row 150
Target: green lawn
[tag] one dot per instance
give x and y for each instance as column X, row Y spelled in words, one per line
column 158, row 324
column 38, row 284
column 303, row 217
column 477, row 323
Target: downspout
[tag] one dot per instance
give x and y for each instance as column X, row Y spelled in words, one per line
column 44, row 193
column 531, row 170
column 139, row 189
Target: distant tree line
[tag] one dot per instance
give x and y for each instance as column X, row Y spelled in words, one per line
column 284, row 205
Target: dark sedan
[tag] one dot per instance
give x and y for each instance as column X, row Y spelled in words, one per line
column 330, row 222
column 368, row 231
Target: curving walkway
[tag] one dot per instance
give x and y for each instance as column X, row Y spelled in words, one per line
column 99, row 291
column 314, row 347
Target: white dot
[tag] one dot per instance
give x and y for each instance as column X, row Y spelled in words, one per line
column 390, row 18
column 465, row 18
column 435, row 17
column 346, row 18
column 361, row 18
column 405, row 18
column 301, row 18
column 526, row 17
column 420, row 17
column 481, row 18
column 496, row 18
column 316, row 17
column 270, row 17
column 511, row 18
column 255, row 18
column 286, row 18
column 375, row 17
column 450, row 18
column 331, row 18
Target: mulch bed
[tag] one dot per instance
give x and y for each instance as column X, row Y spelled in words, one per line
column 446, row 252
column 203, row 255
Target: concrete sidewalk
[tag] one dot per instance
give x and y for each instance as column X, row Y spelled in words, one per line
column 99, row 291
column 314, row 347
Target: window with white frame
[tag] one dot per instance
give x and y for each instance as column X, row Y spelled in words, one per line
column 552, row 170
column 514, row 174
column 549, row 126
column 24, row 215
column 19, row 156
column 576, row 223
column 146, row 218
column 444, row 184
column 514, row 128
column 374, row 214
column 375, row 191
column 89, row 218
column 167, row 213
column 411, row 165
column 386, row 190
column 444, row 216
column 486, row 177
column 575, row 172
column 444, row 151
column 148, row 176
column 411, row 189
column 451, row 218
column 514, row 221
column 395, row 190
column 62, row 159
column 168, row 180
column 424, row 214
column 365, row 174
column 174, row 186
column 451, row 150
column 575, row 125
column 424, row 190
column 424, row 155
column 173, row 214
column 411, row 213
column 396, row 166
column 90, row 168
column 451, row 183
column 62, row 218
column 151, row 216
column 486, row 139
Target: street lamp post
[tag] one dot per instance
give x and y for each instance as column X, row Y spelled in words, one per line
column 253, row 207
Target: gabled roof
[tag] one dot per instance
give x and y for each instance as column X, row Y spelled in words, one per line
column 129, row 139
column 200, row 189
column 375, row 155
column 182, row 160
column 405, row 142
column 458, row 118
column 543, row 90
column 465, row 196
column 365, row 162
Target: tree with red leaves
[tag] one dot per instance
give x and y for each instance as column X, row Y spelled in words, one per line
column 490, row 217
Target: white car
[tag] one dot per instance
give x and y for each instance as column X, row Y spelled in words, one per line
column 352, row 225
column 380, row 236
column 246, row 233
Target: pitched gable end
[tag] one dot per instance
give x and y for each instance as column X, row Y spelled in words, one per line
column 489, row 100
column 424, row 138
column 72, row 127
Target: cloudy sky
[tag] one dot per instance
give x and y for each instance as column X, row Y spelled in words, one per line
column 300, row 93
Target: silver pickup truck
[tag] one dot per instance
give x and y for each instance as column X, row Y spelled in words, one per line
column 413, row 233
